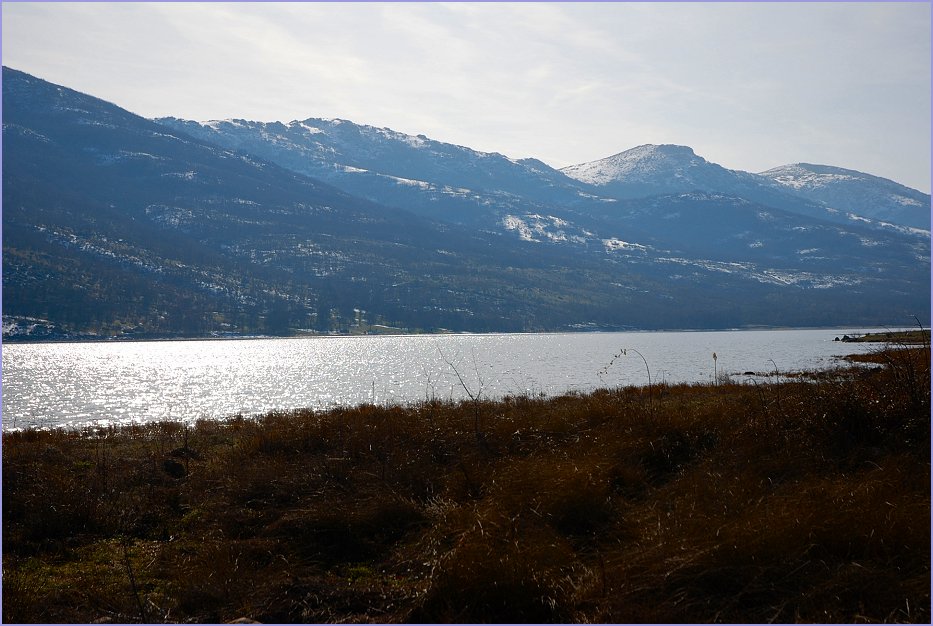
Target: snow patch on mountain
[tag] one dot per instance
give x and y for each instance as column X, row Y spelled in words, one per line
column 798, row 177
column 905, row 201
column 773, row 276
column 415, row 141
column 312, row 130
column 512, row 222
column 190, row 175
column 642, row 162
column 410, row 182
column 538, row 228
column 613, row 245
column 907, row 230
column 218, row 124
column 855, row 193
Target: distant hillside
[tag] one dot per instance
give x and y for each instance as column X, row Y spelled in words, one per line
column 115, row 225
column 119, row 226
column 856, row 192
column 652, row 170
column 440, row 180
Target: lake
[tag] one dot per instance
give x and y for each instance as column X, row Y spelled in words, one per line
column 77, row 384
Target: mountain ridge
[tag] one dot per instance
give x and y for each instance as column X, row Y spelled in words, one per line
column 862, row 193
column 640, row 172
column 119, row 226
column 372, row 161
column 656, row 169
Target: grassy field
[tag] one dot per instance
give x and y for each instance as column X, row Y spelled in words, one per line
column 801, row 501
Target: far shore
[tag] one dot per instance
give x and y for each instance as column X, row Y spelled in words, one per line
column 907, row 337
column 915, row 336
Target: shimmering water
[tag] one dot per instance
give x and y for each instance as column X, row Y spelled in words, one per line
column 56, row 384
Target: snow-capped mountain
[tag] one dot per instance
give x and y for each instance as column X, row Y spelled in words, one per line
column 652, row 170
column 465, row 186
column 646, row 205
column 855, row 192
column 114, row 224
column 433, row 178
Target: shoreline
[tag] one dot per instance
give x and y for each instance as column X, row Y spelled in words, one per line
column 895, row 337
column 878, row 330
column 397, row 386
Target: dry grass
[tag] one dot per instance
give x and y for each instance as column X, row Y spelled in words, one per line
column 793, row 502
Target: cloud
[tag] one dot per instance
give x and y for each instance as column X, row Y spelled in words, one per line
column 749, row 85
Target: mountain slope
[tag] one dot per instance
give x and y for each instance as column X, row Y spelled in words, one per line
column 116, row 225
column 651, row 170
column 542, row 205
column 856, row 192
column 727, row 229
column 432, row 178
column 112, row 222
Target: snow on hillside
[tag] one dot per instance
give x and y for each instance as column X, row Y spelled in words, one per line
column 805, row 176
column 640, row 163
column 856, row 192
column 799, row 177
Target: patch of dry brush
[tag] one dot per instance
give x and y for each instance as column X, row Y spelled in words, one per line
column 801, row 501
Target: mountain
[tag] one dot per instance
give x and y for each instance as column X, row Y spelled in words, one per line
column 440, row 180
column 586, row 205
column 651, row 170
column 731, row 230
column 114, row 225
column 489, row 191
column 855, row 192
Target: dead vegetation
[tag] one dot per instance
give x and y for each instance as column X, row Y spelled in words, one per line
column 803, row 501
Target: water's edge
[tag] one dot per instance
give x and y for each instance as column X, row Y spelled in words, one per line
column 105, row 382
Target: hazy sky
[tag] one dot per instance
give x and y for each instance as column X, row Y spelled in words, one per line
column 747, row 85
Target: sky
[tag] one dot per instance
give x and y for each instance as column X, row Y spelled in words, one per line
column 747, row 85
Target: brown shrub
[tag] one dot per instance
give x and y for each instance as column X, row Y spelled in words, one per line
column 798, row 501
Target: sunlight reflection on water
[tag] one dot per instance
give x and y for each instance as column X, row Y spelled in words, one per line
column 79, row 383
